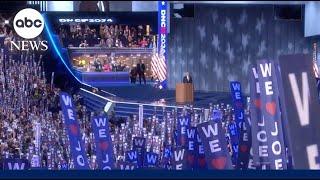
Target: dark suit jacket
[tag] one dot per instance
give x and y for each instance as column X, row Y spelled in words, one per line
column 185, row 80
column 141, row 68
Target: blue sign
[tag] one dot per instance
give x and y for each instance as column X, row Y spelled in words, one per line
column 163, row 32
column 191, row 147
column 237, row 102
column 16, row 164
column 78, row 154
column 183, row 123
column 151, row 160
column 215, row 145
column 270, row 108
column 216, row 115
column 103, row 143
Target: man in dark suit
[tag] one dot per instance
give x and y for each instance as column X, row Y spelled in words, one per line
column 141, row 68
column 187, row 78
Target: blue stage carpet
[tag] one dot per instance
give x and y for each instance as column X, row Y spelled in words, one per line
column 149, row 94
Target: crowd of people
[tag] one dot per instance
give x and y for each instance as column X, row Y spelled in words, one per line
column 32, row 126
column 114, row 35
column 29, row 102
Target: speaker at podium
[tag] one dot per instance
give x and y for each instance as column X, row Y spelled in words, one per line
column 184, row 93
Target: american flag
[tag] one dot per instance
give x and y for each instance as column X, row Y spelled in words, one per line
column 316, row 70
column 158, row 67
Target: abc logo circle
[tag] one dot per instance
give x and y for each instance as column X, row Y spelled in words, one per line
column 28, row 23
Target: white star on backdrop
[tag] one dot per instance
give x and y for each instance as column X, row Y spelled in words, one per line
column 215, row 42
column 290, row 46
column 260, row 23
column 204, row 84
column 203, row 59
column 228, row 25
column 247, row 88
column 191, row 62
column 243, row 17
column 214, row 16
column 218, row 70
column 230, row 53
column 231, row 77
column 245, row 65
column 262, row 48
column 244, row 40
column 202, row 32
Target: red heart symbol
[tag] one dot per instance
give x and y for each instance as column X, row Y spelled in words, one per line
column 219, row 163
column 104, row 145
column 271, row 108
column 74, row 129
column 257, row 102
column 243, row 148
column 190, row 159
column 202, row 162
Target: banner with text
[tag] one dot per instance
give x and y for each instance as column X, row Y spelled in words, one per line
column 104, row 148
column 271, row 117
column 302, row 108
column 215, row 145
column 72, row 126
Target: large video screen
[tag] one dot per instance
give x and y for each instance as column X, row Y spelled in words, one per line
column 311, row 20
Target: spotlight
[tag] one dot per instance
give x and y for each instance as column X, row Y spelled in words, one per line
column 6, row 21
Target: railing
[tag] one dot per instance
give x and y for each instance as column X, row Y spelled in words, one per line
column 104, row 50
column 114, row 100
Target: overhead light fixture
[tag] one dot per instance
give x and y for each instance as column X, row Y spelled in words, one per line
column 6, row 21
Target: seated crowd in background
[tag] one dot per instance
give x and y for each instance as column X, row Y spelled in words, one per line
column 105, row 36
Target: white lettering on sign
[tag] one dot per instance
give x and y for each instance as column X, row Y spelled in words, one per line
column 256, row 77
column 102, row 133
column 236, row 86
column 302, row 103
column 275, row 132
column 313, row 153
column 151, row 158
column 214, row 146
column 16, row 166
column 107, row 159
column 100, row 121
column 201, row 149
column 139, row 142
column 268, row 87
column 210, row 131
column 67, row 100
column 132, row 155
column 262, row 136
column 266, row 70
column 85, row 20
column 70, row 114
column 263, row 151
column 278, row 163
column 178, row 155
column 179, row 167
column 276, row 148
column 80, row 160
column 191, row 145
column 163, row 22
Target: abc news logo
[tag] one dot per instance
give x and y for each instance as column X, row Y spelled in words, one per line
column 28, row 24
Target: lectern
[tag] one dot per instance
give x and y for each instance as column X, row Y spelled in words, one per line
column 184, row 93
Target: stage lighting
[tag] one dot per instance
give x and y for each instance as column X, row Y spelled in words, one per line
column 6, row 21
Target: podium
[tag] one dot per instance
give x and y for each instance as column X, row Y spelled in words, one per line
column 184, row 93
